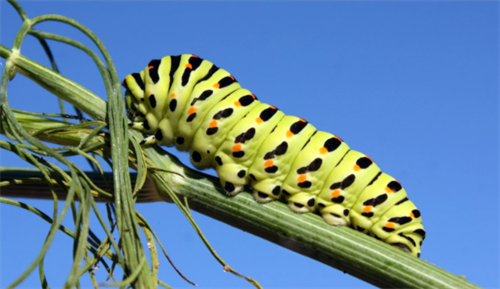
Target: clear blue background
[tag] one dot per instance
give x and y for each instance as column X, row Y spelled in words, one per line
column 414, row 85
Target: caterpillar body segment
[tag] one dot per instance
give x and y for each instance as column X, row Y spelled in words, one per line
column 191, row 103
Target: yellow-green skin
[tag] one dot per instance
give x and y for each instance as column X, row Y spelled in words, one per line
column 190, row 103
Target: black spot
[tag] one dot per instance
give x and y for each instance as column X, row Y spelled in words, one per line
column 138, row 80
column 315, row 165
column 179, row 140
column 267, row 113
column 335, row 186
column 418, row 254
column 409, row 239
column 388, row 230
column 349, row 180
column 375, row 201
column 263, row 195
column 242, row 173
column 152, row 100
column 246, row 100
column 191, row 117
column 298, row 126
column 243, row 137
column 218, row 160
column 305, row 185
column 364, row 162
column 346, row 212
column 211, row 72
column 300, row 206
column 395, row 186
column 226, row 81
column 159, row 135
column 253, row 177
column 402, row 201
column 276, row 191
column 239, row 154
column 416, row 213
column 185, row 76
column 321, row 205
column 204, row 95
column 332, row 144
column 153, row 71
column 311, row 202
column 172, row 105
column 368, row 215
column 212, row 130
column 285, row 192
column 400, row 220
column 195, row 62
column 402, row 246
column 421, row 232
column 271, row 170
column 338, row 200
column 145, row 124
column 229, row 187
column 176, row 60
column 335, row 215
column 196, row 156
column 269, row 155
column 142, row 142
column 361, row 229
column 281, row 149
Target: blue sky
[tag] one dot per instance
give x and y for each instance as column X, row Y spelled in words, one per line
column 414, row 85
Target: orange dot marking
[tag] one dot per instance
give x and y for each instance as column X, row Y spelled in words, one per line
column 213, row 123
column 253, row 96
column 172, row 95
column 194, row 56
column 191, row 110
column 367, row 209
column 323, row 150
column 412, row 215
column 217, row 85
column 390, row 225
column 269, row 163
column 237, row 147
column 237, row 103
column 150, row 67
column 338, row 138
column 301, row 178
column 388, row 190
column 272, row 107
column 289, row 134
column 302, row 120
column 147, row 92
column 231, row 77
column 259, row 120
column 356, row 168
column 188, row 65
column 335, row 193
column 369, row 158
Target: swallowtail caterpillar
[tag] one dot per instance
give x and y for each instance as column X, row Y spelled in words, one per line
column 187, row 102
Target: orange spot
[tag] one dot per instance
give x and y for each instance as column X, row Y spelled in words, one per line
column 301, row 178
column 412, row 215
column 272, row 107
column 194, row 56
column 388, row 190
column 237, row 147
column 192, row 110
column 217, row 85
column 367, row 209
column 390, row 225
column 231, row 77
column 147, row 92
column 302, row 120
column 289, row 134
column 269, row 163
column 150, row 67
column 237, row 103
column 338, row 138
column 369, row 158
column 335, row 193
column 356, row 168
column 323, row 150
column 259, row 120
column 253, row 96
column 172, row 95
column 213, row 123
column 188, row 65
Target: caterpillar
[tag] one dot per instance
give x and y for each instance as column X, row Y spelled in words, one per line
column 188, row 102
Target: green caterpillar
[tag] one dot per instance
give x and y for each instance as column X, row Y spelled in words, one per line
column 191, row 103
